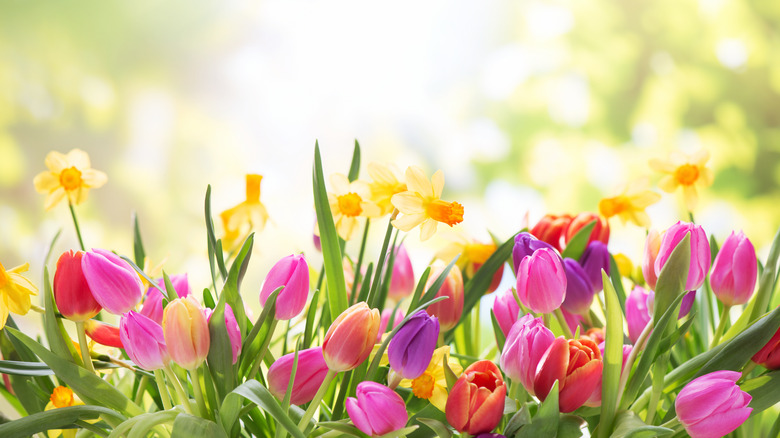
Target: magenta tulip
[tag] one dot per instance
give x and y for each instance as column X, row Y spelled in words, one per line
column 152, row 307
column 734, row 272
column 309, row 375
column 411, row 348
column 541, row 281
column 377, row 410
column 525, row 345
column 71, row 291
column 506, row 310
column 637, row 312
column 292, row 272
column 402, row 281
column 700, row 252
column 713, row 405
column 579, row 291
column 143, row 341
column 114, row 284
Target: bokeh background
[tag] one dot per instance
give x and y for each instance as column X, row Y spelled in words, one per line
column 529, row 106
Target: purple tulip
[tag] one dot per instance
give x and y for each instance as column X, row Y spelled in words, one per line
column 411, row 348
column 397, row 315
column 309, row 375
column 637, row 312
column 292, row 272
column 527, row 342
column 377, row 410
column 152, row 307
column 233, row 331
column 506, row 310
column 579, row 291
column 114, row 284
column 593, row 260
column 734, row 272
column 713, row 405
column 700, row 252
column 525, row 245
column 143, row 341
column 541, row 281
column 402, row 281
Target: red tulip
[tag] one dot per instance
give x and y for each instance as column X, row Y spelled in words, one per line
column 450, row 310
column 476, row 401
column 769, row 355
column 551, row 228
column 71, row 292
column 103, row 334
column 600, row 231
column 576, row 364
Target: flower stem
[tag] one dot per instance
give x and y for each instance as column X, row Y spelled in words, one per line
column 673, row 424
column 263, row 349
column 139, row 393
column 315, row 403
column 184, row 399
column 85, row 357
column 76, row 224
column 164, row 396
column 199, row 393
column 562, row 321
column 724, row 317
column 638, row 346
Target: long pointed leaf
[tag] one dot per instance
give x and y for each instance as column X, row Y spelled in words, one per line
column 54, row 419
column 613, row 357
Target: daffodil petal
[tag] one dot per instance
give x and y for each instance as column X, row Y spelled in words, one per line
column 56, row 162
column 417, row 182
column 408, row 221
column 428, row 229
column 408, row 203
column 339, row 183
column 45, row 182
column 78, row 159
column 691, row 197
column 93, row 178
column 437, row 183
column 668, row 184
column 53, row 198
column 700, row 157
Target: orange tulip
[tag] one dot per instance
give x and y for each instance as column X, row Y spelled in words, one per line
column 476, row 402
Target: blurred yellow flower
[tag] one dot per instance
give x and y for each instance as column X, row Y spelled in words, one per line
column 630, row 205
column 63, row 397
column 386, row 183
column 348, row 201
column 15, row 291
column 422, row 204
column 239, row 221
column 69, row 175
column 472, row 254
column 686, row 171
column 432, row 384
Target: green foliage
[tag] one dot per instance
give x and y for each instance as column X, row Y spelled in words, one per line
column 61, row 418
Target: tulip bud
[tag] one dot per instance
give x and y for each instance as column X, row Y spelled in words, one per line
column 597, row 335
column 402, row 281
column 576, row 364
column 700, row 252
column 143, row 340
column 309, row 375
column 397, row 315
column 652, row 246
column 525, row 245
column 769, row 355
column 292, row 272
column 593, row 261
column 713, row 405
column 114, row 284
column 153, row 307
column 411, row 348
column 377, row 410
column 735, row 270
column 551, row 229
column 637, row 312
column 600, row 231
column 450, row 310
column 102, row 333
column 476, row 402
column 71, row 291
column 506, row 310
column 186, row 332
column 351, row 337
column 233, row 331
column 525, row 345
column 541, row 281
column 579, row 292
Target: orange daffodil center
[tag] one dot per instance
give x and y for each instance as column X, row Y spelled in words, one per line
column 422, row 205
column 349, row 204
column 248, row 215
column 70, row 175
column 422, row 387
column 686, row 172
column 70, row 178
column 630, row 205
column 62, row 397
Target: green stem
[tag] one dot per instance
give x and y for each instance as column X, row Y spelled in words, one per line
column 358, row 265
column 546, row 320
column 315, row 403
column 199, row 393
column 263, row 349
column 747, row 369
column 724, row 317
column 139, row 393
column 184, row 399
column 164, row 396
column 562, row 321
column 477, row 333
column 85, row 356
column 76, row 224
column 639, row 345
column 372, row 294
column 659, row 371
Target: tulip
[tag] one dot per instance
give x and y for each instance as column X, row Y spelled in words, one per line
column 579, row 292
column 525, row 245
column 576, row 364
column 572, row 319
column 769, row 355
column 490, row 435
column 397, row 315
column 114, row 284
column 153, row 307
column 411, row 349
column 292, row 272
column 71, row 292
column 402, row 281
column 233, row 331
column 506, row 310
column 143, row 340
column 551, row 228
column 652, row 246
column 103, row 334
column 309, row 375
column 637, row 312
column 186, row 332
column 476, row 402
column 351, row 337
column 525, row 345
column 734, row 272
column 450, row 310
column 600, row 231
column 596, row 334
column 377, row 410
column 593, row 261
column 713, row 405
column 541, row 281
column 700, row 252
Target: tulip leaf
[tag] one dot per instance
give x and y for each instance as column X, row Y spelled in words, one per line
column 190, row 426
column 172, row 293
column 571, row 426
column 497, row 332
column 139, row 254
column 20, row 368
column 329, row 240
column 617, row 282
column 344, row 428
column 220, row 356
column 419, row 289
column 55, row 332
column 232, row 287
column 671, row 280
column 437, row 284
column 23, row 386
column 613, row 357
column 449, row 375
column 518, row 420
column 252, row 342
column 765, row 390
column 54, row 419
column 441, row 429
column 140, row 424
column 256, row 393
column 545, row 422
column 208, row 298
column 214, row 255
column 577, row 244
column 311, row 314
column 354, row 167
column 629, row 425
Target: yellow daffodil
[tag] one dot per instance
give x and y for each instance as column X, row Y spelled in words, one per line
column 422, row 204
column 15, row 291
column 686, row 171
column 63, row 397
column 471, row 253
column 239, row 221
column 386, row 183
column 432, row 384
column 630, row 205
column 348, row 201
column 68, row 175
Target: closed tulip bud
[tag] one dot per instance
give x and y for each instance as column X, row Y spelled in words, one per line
column 351, row 337
column 506, row 310
column 525, row 346
column 143, row 340
column 637, row 312
column 579, row 292
column 652, row 246
column 102, row 333
column 525, row 245
column 309, row 375
column 541, row 281
column 292, row 272
column 450, row 310
column 551, row 228
column 396, row 315
column 186, row 332
column 734, row 272
column 769, row 355
column 597, row 335
column 377, row 410
column 490, row 435
column 153, row 307
column 593, row 261
column 114, row 284
column 71, row 291
column 576, row 364
column 411, row 348
column 233, row 331
column 700, row 252
column 600, row 231
column 713, row 405
column 476, row 402
column 402, row 281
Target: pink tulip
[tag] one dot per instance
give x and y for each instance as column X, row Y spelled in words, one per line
column 351, row 337
column 114, row 284
column 377, row 410
column 152, row 307
column 292, row 272
column 713, row 405
column 700, row 252
column 525, row 345
column 309, row 375
column 71, row 291
column 735, row 270
column 652, row 245
column 541, row 281
column 233, row 331
column 143, row 340
column 506, row 310
column 186, row 332
column 637, row 312
column 450, row 310
column 402, row 281
column 397, row 316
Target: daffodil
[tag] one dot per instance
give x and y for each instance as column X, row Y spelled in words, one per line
column 686, row 171
column 15, row 291
column 62, row 397
column 471, row 253
column 432, row 384
column 630, row 205
column 69, row 175
column 421, row 204
column 348, row 201
column 239, row 221
column 386, row 183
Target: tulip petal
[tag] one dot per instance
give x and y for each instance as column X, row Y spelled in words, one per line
column 552, row 367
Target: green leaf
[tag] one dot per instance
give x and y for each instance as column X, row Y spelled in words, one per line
column 214, row 255
column 139, row 425
column 54, row 419
column 344, row 428
column 311, row 314
column 208, row 299
column 628, row 424
column 518, row 420
column 576, row 246
column 571, row 426
column 449, row 375
column 256, row 393
column 354, row 167
column 765, row 390
column 419, row 289
column 232, row 287
column 141, row 272
column 331, row 252
column 436, row 285
column 617, row 282
column 545, row 422
column 172, row 294
column 497, row 332
column 189, row 426
column 55, row 332
column 139, row 254
column 220, row 356
column 251, row 345
column 441, row 429
column 671, row 280
column 19, row 368
column 613, row 357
